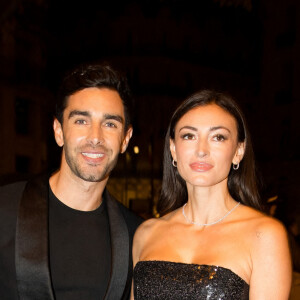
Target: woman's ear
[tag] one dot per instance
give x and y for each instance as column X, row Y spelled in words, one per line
column 173, row 149
column 239, row 154
column 58, row 133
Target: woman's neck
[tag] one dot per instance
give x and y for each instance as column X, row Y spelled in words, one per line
column 208, row 204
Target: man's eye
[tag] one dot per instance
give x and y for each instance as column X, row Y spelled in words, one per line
column 111, row 124
column 80, row 122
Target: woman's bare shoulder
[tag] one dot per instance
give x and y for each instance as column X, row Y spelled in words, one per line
column 153, row 224
column 146, row 226
column 260, row 222
column 270, row 231
column 270, row 256
column 263, row 231
column 146, row 233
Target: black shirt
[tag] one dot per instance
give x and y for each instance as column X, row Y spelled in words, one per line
column 80, row 251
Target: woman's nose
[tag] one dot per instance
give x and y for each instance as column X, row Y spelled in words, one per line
column 202, row 148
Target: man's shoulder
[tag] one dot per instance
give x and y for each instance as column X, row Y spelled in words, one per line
column 128, row 213
column 16, row 188
column 11, row 193
column 10, row 187
column 132, row 220
column 10, row 196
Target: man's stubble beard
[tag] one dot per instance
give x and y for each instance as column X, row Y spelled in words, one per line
column 79, row 172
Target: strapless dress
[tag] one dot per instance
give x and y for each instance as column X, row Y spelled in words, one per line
column 171, row 280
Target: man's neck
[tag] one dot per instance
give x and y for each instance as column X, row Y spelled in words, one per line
column 76, row 192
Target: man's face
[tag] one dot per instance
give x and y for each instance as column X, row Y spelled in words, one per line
column 92, row 134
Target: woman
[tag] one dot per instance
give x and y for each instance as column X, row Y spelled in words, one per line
column 212, row 241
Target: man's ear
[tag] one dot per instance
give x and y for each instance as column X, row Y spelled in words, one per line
column 58, row 133
column 173, row 149
column 126, row 139
column 239, row 154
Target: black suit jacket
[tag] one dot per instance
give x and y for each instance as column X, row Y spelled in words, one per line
column 24, row 243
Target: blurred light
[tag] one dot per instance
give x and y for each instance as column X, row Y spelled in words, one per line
column 136, row 150
column 272, row 199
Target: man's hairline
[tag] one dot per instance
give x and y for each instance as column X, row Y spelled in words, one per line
column 66, row 99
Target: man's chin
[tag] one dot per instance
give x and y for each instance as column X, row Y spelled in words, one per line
column 93, row 174
column 94, row 178
column 89, row 176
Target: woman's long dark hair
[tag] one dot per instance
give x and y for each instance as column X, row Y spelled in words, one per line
column 242, row 183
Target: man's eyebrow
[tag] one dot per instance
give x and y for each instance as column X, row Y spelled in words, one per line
column 114, row 117
column 83, row 113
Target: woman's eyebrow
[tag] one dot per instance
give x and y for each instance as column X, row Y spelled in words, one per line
column 219, row 127
column 188, row 127
column 210, row 129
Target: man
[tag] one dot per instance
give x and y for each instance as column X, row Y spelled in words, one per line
column 65, row 237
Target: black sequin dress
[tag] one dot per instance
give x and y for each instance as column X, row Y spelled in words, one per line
column 169, row 280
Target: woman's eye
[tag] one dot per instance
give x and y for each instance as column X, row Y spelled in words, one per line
column 188, row 136
column 219, row 138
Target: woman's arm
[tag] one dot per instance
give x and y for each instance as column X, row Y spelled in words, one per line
column 138, row 245
column 271, row 262
column 135, row 254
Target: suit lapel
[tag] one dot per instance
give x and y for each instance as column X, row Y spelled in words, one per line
column 32, row 257
column 120, row 250
column 32, row 245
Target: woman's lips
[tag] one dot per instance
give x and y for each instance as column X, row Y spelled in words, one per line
column 201, row 166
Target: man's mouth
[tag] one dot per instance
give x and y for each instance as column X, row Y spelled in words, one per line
column 92, row 155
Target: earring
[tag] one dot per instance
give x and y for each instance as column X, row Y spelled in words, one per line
column 174, row 163
column 235, row 167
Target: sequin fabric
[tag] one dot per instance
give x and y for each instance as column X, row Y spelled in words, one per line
column 169, row 280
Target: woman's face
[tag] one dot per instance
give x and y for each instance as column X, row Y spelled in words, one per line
column 206, row 145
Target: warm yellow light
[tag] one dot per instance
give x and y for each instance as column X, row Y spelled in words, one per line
column 136, row 150
column 272, row 199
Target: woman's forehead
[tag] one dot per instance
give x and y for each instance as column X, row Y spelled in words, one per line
column 210, row 115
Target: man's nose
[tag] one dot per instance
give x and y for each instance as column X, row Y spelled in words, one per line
column 95, row 135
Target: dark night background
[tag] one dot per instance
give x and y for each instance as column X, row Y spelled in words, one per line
column 168, row 49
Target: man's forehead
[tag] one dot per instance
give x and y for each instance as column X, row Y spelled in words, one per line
column 94, row 99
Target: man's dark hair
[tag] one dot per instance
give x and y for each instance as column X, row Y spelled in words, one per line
column 94, row 75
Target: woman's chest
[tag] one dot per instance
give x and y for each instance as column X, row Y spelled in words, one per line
column 227, row 248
